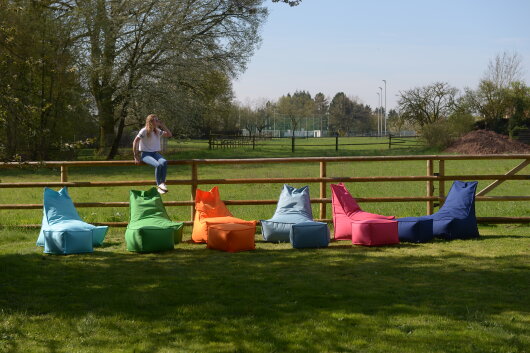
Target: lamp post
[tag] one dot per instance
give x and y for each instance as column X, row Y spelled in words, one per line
column 381, row 108
column 378, row 113
column 385, row 105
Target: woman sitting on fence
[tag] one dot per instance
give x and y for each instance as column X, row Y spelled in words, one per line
column 147, row 142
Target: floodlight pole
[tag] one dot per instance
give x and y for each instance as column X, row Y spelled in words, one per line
column 385, row 105
column 378, row 113
column 381, row 107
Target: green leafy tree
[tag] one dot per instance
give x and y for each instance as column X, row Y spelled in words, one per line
column 41, row 93
column 130, row 45
column 296, row 107
column 321, row 110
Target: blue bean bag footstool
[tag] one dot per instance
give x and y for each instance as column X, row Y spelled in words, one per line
column 309, row 235
column 415, row 229
column 293, row 207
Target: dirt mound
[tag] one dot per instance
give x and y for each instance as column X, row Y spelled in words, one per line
column 486, row 142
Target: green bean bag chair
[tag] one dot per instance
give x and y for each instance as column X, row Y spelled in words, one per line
column 150, row 228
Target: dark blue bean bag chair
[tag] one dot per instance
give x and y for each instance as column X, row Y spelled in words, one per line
column 293, row 207
column 455, row 220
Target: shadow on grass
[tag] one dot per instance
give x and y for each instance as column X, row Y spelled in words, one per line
column 250, row 299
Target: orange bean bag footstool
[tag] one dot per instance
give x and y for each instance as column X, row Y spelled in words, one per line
column 231, row 237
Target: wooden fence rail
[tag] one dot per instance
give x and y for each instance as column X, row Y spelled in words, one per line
column 430, row 178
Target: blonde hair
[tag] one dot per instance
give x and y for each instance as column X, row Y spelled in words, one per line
column 150, row 125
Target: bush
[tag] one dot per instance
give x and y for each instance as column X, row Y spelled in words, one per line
column 437, row 135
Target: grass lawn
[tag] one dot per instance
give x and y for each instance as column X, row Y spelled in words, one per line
column 459, row 296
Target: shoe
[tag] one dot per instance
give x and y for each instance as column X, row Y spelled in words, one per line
column 163, row 186
column 161, row 191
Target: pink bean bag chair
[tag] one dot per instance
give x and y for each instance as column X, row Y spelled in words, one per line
column 346, row 210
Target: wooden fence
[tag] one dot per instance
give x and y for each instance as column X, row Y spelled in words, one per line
column 430, row 178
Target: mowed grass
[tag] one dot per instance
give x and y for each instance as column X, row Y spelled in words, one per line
column 459, row 296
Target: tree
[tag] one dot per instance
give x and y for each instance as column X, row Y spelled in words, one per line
column 494, row 99
column 490, row 102
column 41, row 94
column 426, row 105
column 504, row 69
column 133, row 44
column 290, row 2
column 296, row 107
column 321, row 110
column 518, row 100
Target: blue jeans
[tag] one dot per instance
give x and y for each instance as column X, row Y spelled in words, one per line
column 156, row 160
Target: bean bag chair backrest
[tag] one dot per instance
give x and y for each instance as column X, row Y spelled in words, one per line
column 146, row 204
column 209, row 204
column 460, row 201
column 59, row 207
column 342, row 201
column 294, row 204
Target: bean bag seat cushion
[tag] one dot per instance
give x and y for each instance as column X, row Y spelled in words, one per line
column 374, row 232
column 60, row 217
column 294, row 206
column 211, row 210
column 346, row 210
column 456, row 219
column 68, row 242
column 231, row 237
column 150, row 229
column 309, row 234
column 415, row 229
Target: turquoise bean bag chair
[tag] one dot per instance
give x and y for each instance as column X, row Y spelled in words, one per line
column 62, row 230
column 293, row 207
column 150, row 229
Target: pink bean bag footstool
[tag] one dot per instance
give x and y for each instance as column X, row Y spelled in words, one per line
column 374, row 232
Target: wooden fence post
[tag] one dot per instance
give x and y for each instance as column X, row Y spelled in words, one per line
column 194, row 182
column 336, row 141
column 441, row 183
column 430, row 206
column 323, row 190
column 292, row 142
column 64, row 173
column 389, row 141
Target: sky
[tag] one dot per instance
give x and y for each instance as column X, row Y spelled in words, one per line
column 350, row 46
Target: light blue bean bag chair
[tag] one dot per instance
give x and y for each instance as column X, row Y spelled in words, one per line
column 62, row 230
column 293, row 207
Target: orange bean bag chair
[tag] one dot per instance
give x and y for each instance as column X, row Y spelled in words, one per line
column 211, row 210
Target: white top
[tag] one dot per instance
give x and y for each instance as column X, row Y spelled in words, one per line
column 150, row 143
